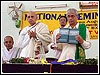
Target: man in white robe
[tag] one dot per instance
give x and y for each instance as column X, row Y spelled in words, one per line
column 9, row 52
column 29, row 35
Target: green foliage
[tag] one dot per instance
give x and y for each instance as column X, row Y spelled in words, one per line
column 88, row 61
column 17, row 60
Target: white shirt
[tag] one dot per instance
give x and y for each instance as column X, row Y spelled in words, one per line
column 8, row 55
column 68, row 51
column 57, row 53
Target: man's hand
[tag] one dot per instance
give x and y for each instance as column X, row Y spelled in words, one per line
column 57, row 37
column 53, row 46
column 32, row 34
column 39, row 42
column 38, row 45
column 79, row 39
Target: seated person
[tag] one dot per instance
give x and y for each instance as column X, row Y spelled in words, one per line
column 9, row 52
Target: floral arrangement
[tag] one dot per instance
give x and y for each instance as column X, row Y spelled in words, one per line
column 28, row 60
column 90, row 61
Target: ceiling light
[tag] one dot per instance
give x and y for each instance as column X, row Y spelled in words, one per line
column 51, row 6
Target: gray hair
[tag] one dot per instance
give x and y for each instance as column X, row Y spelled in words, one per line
column 74, row 10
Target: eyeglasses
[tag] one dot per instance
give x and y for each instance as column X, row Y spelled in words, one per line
column 68, row 16
column 71, row 16
column 30, row 16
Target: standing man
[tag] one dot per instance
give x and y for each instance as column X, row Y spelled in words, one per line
column 75, row 51
column 9, row 52
column 36, row 31
column 58, row 50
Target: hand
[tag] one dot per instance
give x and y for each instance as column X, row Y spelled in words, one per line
column 53, row 47
column 32, row 34
column 37, row 52
column 79, row 39
column 39, row 43
column 57, row 37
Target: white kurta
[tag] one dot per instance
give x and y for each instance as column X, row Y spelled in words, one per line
column 68, row 50
column 8, row 55
column 57, row 53
column 24, row 37
column 42, row 33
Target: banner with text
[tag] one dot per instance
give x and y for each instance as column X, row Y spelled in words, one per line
column 51, row 18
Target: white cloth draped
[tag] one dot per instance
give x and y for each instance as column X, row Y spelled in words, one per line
column 8, row 55
column 28, row 51
column 42, row 34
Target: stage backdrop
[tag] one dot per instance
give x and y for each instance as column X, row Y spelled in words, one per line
column 50, row 18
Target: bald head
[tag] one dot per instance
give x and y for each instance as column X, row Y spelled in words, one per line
column 8, row 42
column 32, row 17
column 31, row 13
column 8, row 37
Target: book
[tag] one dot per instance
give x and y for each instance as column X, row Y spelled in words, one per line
column 68, row 36
column 64, row 35
column 72, row 35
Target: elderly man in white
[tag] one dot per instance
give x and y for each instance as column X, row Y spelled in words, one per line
column 74, row 51
column 29, row 36
column 9, row 52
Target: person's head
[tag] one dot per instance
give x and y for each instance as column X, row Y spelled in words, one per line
column 63, row 21
column 72, row 16
column 32, row 17
column 8, row 42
